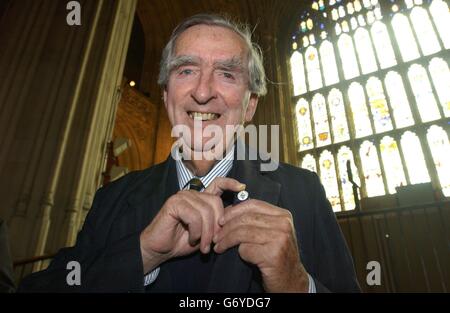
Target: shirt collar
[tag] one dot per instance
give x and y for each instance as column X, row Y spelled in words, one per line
column 220, row 169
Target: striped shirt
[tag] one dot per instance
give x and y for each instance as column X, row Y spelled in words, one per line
column 220, row 169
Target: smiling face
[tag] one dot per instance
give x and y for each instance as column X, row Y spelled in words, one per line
column 208, row 83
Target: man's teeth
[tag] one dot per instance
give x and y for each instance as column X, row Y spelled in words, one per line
column 198, row 116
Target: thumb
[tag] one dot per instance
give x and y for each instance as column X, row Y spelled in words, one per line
column 220, row 184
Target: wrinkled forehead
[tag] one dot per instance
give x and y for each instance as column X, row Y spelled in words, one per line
column 212, row 41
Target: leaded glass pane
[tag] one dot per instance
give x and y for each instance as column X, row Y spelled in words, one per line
column 321, row 126
column 441, row 16
column 309, row 163
column 371, row 169
column 344, row 155
column 338, row 117
column 441, row 80
column 313, row 68
column 329, row 179
column 398, row 100
column 298, row 73
column 365, row 51
column 348, row 56
column 440, row 150
column 392, row 163
column 328, row 60
column 405, row 37
column 421, row 87
column 305, row 135
column 383, row 46
column 414, row 159
column 378, row 105
column 424, row 31
column 360, row 114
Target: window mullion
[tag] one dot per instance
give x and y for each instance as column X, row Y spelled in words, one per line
column 338, row 177
column 429, row 161
column 380, row 161
column 369, row 108
column 397, row 137
column 355, row 147
column 433, row 25
column 403, row 71
column 388, row 102
column 433, row 88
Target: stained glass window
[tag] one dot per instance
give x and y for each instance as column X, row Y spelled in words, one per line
column 298, row 73
column 405, row 37
column 424, row 31
column 328, row 59
column 365, row 51
column 441, row 16
column 341, row 11
column 348, row 56
column 392, row 164
column 420, row 84
column 321, row 126
column 345, row 27
column 329, row 179
column 313, row 68
column 354, row 23
column 350, row 8
column 378, row 105
column 398, row 100
column 383, row 46
column 344, row 155
column 441, row 79
column 415, row 161
column 304, row 125
column 309, row 163
column 440, row 150
column 337, row 114
column 392, row 125
column 371, row 169
column 359, row 110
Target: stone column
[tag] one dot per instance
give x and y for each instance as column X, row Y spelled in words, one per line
column 61, row 85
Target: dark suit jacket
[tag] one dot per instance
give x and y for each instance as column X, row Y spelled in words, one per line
column 6, row 266
column 108, row 245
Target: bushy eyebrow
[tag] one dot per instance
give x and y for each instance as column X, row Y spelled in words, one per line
column 183, row 60
column 232, row 64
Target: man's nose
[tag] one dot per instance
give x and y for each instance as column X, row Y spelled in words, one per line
column 204, row 90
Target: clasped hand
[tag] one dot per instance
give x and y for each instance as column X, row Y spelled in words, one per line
column 264, row 234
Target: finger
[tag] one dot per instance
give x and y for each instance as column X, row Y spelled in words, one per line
column 247, row 234
column 207, row 215
column 252, row 205
column 220, row 184
column 253, row 219
column 216, row 204
column 192, row 218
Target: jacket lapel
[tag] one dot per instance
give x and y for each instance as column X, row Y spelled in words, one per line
column 230, row 272
column 158, row 186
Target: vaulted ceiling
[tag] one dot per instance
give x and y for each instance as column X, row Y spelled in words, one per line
column 159, row 17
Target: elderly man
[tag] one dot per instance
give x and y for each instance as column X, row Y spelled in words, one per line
column 177, row 226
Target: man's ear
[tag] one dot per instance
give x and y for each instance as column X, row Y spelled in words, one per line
column 251, row 108
column 165, row 97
